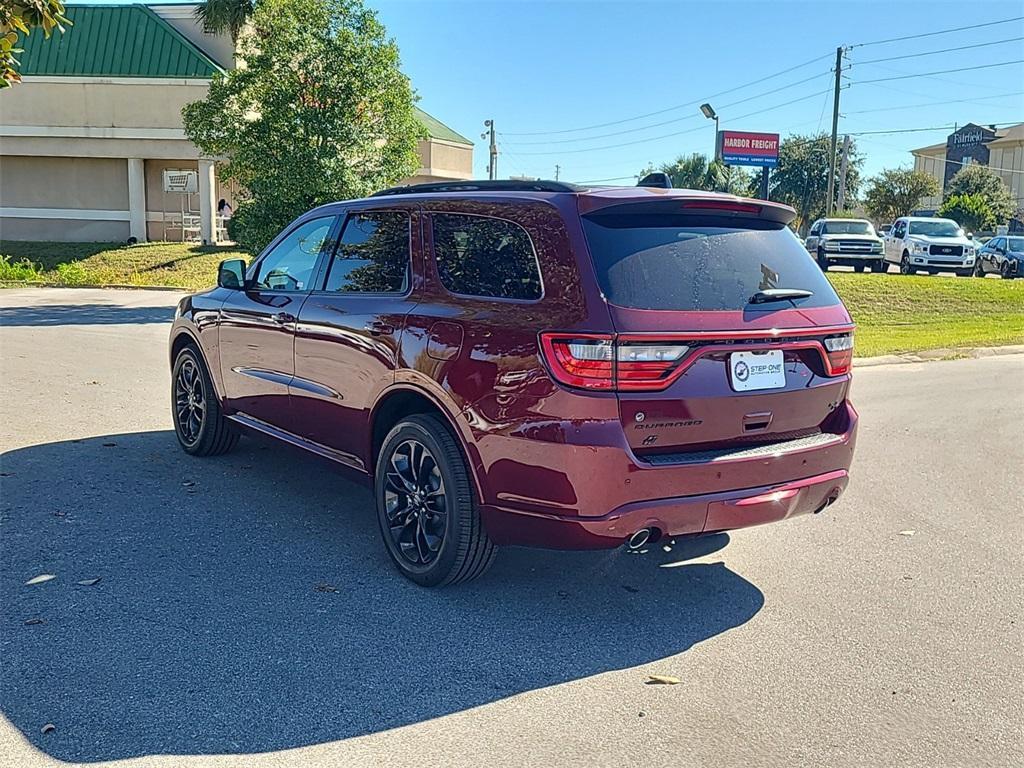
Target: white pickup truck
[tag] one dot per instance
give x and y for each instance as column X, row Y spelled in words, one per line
column 920, row 243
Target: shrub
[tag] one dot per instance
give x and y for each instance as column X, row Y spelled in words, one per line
column 22, row 270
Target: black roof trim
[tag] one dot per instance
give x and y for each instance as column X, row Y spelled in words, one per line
column 481, row 186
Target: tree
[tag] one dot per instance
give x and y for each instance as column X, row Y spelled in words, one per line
column 319, row 112
column 982, row 180
column 801, row 177
column 219, row 16
column 896, row 192
column 20, row 17
column 972, row 212
column 696, row 172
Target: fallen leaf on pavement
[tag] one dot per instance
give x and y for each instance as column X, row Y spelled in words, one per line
column 40, row 579
column 33, row 621
column 6, row 474
column 662, row 680
column 109, row 445
column 48, row 728
column 907, row 533
column 189, row 483
column 87, row 582
column 324, row 587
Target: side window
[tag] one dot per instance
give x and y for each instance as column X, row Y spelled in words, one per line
column 372, row 254
column 901, row 229
column 289, row 266
column 480, row 256
column 816, row 228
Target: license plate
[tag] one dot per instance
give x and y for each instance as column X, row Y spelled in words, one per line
column 757, row 370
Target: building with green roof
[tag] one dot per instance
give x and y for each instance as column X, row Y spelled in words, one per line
column 92, row 146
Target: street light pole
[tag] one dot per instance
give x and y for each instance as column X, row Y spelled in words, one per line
column 709, row 112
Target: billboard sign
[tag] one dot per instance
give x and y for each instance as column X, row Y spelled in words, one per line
column 744, row 148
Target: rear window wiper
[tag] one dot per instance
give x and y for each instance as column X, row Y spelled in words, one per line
column 779, row 294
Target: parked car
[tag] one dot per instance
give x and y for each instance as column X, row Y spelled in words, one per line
column 883, row 231
column 850, row 242
column 920, row 243
column 534, row 364
column 1002, row 255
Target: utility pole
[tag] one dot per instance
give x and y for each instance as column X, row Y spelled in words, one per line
column 835, row 129
column 558, row 170
column 841, row 205
column 492, row 165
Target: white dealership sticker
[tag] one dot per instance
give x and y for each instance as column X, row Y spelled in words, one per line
column 757, row 370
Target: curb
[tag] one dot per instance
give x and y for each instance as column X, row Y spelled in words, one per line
column 930, row 355
column 99, row 286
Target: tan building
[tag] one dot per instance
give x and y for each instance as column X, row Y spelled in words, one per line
column 1001, row 149
column 92, row 146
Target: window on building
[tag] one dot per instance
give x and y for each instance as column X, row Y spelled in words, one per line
column 481, row 256
column 372, row 255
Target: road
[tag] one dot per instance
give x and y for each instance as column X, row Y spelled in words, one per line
column 247, row 615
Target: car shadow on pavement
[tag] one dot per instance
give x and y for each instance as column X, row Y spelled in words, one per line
column 245, row 604
column 83, row 314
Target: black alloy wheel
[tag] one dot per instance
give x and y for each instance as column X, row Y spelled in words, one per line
column 199, row 422
column 189, row 402
column 415, row 503
column 426, row 505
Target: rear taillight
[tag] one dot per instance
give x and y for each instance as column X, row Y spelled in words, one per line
column 839, row 350
column 733, row 206
column 597, row 361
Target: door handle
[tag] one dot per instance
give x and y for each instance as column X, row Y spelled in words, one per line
column 380, row 329
column 283, row 318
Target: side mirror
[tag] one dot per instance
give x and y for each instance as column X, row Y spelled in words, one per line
column 231, row 274
column 970, row 235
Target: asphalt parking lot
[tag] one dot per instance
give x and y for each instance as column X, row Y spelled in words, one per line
column 246, row 614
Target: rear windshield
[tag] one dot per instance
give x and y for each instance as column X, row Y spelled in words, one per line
column 675, row 262
column 847, row 228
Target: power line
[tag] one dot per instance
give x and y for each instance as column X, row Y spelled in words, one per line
column 940, row 50
column 933, row 103
column 670, row 109
column 666, row 122
column 671, row 135
column 939, row 72
column 937, row 32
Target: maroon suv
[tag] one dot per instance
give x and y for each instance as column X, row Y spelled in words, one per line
column 533, row 363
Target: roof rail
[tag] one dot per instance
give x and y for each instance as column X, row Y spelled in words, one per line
column 480, row 186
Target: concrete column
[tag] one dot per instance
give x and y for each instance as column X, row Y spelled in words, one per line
column 207, row 202
column 137, row 199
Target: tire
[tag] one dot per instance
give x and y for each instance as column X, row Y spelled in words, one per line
column 905, row 266
column 1004, row 270
column 199, row 422
column 881, row 266
column 979, row 270
column 822, row 260
column 965, row 272
column 859, row 267
column 440, row 539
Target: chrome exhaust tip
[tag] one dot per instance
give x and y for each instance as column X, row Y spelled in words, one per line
column 639, row 539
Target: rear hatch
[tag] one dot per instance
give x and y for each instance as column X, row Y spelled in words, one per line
column 721, row 322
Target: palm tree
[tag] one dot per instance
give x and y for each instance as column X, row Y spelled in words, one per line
column 229, row 16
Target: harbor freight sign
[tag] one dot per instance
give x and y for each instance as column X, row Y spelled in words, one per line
column 742, row 148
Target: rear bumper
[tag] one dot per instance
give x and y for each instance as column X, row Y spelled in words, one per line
column 684, row 515
column 678, row 500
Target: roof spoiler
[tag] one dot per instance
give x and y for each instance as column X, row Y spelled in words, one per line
column 657, row 180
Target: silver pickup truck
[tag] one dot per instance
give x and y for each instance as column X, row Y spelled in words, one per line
column 851, row 242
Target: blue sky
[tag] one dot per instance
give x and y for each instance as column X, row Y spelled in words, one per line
column 540, row 67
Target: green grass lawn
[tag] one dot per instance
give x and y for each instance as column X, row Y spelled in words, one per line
column 181, row 265
column 893, row 313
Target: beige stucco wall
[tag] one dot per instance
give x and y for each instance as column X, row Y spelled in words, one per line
column 931, row 160
column 98, row 102
column 182, row 18
column 1009, row 156
column 63, row 230
column 64, row 182
column 444, row 161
